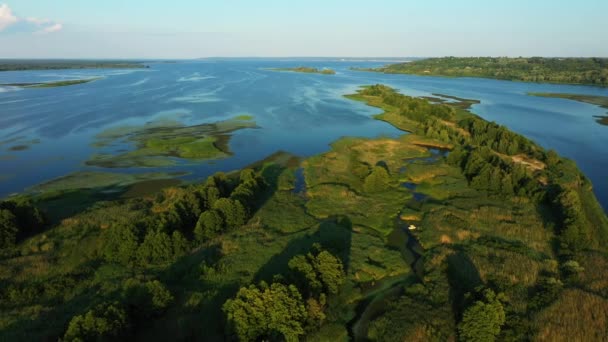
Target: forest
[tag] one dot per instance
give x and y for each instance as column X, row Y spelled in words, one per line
column 589, row 71
column 508, row 243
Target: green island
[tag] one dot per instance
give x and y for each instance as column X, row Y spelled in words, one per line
column 308, row 70
column 58, row 64
column 162, row 142
column 589, row 71
column 597, row 100
column 50, row 84
column 460, row 229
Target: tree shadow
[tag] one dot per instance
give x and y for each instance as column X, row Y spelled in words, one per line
column 463, row 278
column 333, row 234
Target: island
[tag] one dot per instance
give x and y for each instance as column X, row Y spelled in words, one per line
column 50, row 84
column 166, row 142
column 58, row 64
column 597, row 100
column 457, row 229
column 308, row 70
column 589, row 71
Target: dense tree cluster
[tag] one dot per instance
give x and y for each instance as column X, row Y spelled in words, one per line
column 496, row 137
column 534, row 69
column 271, row 312
column 113, row 320
column 106, row 321
column 280, row 311
column 482, row 320
column 193, row 215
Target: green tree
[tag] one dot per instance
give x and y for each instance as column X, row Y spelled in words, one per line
column 318, row 273
column 8, row 229
column 481, row 321
column 330, row 270
column 157, row 248
column 106, row 321
column 232, row 211
column 121, row 244
column 181, row 246
column 209, row 224
column 267, row 312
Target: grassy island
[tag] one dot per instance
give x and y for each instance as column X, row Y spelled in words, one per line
column 590, row 71
column 308, row 70
column 58, row 64
column 50, row 84
column 459, row 228
column 163, row 143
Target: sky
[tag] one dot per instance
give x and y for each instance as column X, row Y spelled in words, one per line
column 288, row 28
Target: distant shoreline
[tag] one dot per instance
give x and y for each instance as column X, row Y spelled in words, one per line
column 24, row 65
column 577, row 71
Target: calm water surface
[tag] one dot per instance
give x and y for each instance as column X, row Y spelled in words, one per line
column 297, row 113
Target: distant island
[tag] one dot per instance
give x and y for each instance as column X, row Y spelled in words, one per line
column 54, row 64
column 50, row 84
column 589, row 71
column 597, row 100
column 308, row 70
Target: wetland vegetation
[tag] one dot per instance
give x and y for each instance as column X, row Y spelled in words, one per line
column 164, row 143
column 590, row 71
column 510, row 242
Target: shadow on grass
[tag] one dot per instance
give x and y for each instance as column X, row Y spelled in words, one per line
column 333, row 234
column 463, row 277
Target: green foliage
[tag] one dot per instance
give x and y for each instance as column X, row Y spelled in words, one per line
column 157, row 248
column 105, row 322
column 8, row 229
column 267, row 312
column 121, row 243
column 232, row 211
column 210, row 224
column 482, row 320
column 377, row 180
column 319, row 272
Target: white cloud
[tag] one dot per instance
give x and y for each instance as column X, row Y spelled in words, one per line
column 6, row 17
column 31, row 24
column 50, row 29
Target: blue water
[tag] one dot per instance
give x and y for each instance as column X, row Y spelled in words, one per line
column 297, row 113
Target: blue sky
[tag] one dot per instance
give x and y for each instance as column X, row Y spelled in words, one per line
column 201, row 28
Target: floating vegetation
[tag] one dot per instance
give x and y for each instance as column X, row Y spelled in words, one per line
column 163, row 142
column 20, row 144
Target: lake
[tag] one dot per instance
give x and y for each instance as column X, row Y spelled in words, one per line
column 48, row 133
